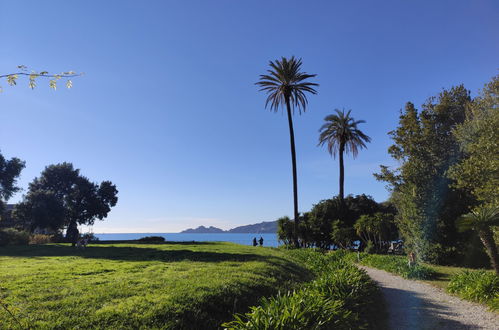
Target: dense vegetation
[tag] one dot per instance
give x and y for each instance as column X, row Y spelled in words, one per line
column 139, row 285
column 340, row 297
column 396, row 265
column 478, row 286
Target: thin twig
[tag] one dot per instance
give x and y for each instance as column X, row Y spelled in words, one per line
column 4, row 305
column 42, row 75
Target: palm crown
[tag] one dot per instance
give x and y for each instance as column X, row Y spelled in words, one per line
column 285, row 83
column 340, row 131
column 479, row 219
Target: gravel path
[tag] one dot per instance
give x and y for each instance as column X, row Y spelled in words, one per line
column 417, row 305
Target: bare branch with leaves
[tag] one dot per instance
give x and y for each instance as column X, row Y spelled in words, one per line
column 32, row 75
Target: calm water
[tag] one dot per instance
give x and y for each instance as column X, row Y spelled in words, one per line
column 245, row 239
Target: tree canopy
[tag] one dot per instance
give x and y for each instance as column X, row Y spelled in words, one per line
column 425, row 148
column 61, row 185
column 9, row 173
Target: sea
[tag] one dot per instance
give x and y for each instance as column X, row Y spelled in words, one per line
column 244, row 239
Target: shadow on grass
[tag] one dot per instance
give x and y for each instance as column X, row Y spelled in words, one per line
column 132, row 253
column 155, row 243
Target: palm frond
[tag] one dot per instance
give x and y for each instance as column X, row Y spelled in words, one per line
column 339, row 130
column 284, row 81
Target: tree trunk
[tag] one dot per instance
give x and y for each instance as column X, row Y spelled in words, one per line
column 293, row 160
column 72, row 233
column 487, row 239
column 342, row 171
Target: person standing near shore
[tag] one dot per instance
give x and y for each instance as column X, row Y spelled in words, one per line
column 261, row 241
column 254, row 241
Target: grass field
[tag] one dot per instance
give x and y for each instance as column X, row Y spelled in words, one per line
column 183, row 285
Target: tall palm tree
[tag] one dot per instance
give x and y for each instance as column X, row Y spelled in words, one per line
column 341, row 134
column 286, row 85
column 480, row 220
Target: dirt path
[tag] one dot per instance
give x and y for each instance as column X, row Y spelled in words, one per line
column 417, row 305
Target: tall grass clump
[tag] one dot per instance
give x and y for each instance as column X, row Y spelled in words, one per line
column 397, row 265
column 479, row 286
column 340, row 297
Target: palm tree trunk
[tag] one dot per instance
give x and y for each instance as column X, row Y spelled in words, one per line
column 487, row 239
column 342, row 171
column 293, row 160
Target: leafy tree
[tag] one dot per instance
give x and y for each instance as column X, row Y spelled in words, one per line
column 480, row 220
column 478, row 136
column 286, row 86
column 42, row 209
column 34, row 75
column 341, row 236
column 285, row 230
column 9, row 172
column 341, row 134
column 425, row 148
column 83, row 201
column 377, row 228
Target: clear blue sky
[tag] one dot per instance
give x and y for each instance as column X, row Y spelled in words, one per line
column 168, row 110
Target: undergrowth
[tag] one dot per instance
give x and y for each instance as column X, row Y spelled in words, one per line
column 478, row 286
column 395, row 264
column 340, row 297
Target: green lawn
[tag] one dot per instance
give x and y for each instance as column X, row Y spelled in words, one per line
column 183, row 285
column 443, row 275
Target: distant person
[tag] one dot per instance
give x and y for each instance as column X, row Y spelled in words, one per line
column 261, row 241
column 254, row 241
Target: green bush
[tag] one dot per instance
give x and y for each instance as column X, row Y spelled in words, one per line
column 397, row 265
column 11, row 236
column 478, row 286
column 341, row 297
column 40, row 239
column 152, row 239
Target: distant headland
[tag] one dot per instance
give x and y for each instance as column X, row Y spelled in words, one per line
column 264, row 227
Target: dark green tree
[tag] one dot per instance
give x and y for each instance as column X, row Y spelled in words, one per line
column 341, row 135
column 286, row 86
column 83, row 201
column 478, row 171
column 425, row 148
column 41, row 209
column 9, row 173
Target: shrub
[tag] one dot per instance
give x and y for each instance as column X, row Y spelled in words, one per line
column 40, row 239
column 341, row 297
column 91, row 237
column 10, row 236
column 152, row 239
column 478, row 286
column 397, row 265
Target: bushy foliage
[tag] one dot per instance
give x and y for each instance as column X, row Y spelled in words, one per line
column 477, row 137
column 425, row 148
column 152, row 239
column 40, row 239
column 331, row 221
column 341, row 297
column 10, row 236
column 479, row 286
column 398, row 265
